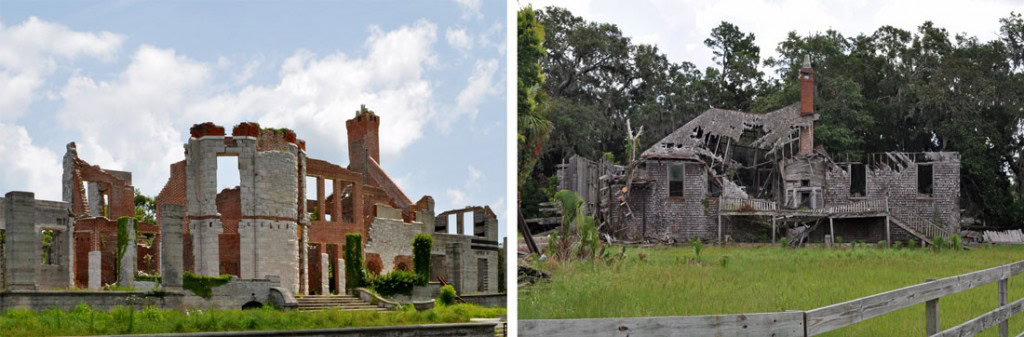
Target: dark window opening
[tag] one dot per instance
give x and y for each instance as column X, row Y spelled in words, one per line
column 858, row 180
column 925, row 179
column 805, row 199
column 675, row 180
column 805, row 183
column 347, row 206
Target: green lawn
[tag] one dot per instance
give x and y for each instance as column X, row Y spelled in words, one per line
column 85, row 321
column 664, row 282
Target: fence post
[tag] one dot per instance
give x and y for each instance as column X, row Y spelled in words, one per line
column 1004, row 326
column 931, row 316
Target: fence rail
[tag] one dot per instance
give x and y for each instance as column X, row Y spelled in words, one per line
column 805, row 323
column 748, row 205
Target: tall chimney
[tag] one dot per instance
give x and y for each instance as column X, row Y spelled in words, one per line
column 807, row 106
column 363, row 139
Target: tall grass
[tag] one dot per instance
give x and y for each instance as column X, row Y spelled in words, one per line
column 122, row 320
column 767, row 279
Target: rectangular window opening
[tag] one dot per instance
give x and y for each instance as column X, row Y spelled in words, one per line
column 925, row 179
column 467, row 223
column 312, row 200
column 227, row 173
column 675, row 180
column 330, row 196
column 858, row 180
column 47, row 239
column 347, row 203
column 481, row 272
column 453, row 225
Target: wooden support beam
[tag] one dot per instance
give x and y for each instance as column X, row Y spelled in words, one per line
column 773, row 229
column 831, row 230
column 888, row 238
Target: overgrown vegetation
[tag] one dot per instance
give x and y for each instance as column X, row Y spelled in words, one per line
column 421, row 257
column 122, row 320
column 398, row 282
column 889, row 89
column 202, row 285
column 355, row 271
column 125, row 230
column 662, row 282
column 448, row 295
column 145, row 208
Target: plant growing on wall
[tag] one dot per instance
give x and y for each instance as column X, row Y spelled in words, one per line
column 421, row 257
column 202, row 285
column 355, row 276
column 122, row 243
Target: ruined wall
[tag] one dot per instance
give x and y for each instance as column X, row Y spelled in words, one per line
column 905, row 202
column 391, row 238
column 24, row 219
column 678, row 218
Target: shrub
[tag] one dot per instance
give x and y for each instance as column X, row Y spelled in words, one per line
column 784, row 242
column 202, row 285
column 956, row 243
column 697, row 246
column 912, row 244
column 897, row 245
column 421, row 257
column 838, row 241
column 447, row 295
column 395, row 282
column 939, row 242
column 883, row 244
column 355, row 276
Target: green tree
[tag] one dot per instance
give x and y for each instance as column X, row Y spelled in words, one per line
column 145, row 208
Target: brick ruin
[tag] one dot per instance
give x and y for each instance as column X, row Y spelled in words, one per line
column 265, row 228
column 750, row 177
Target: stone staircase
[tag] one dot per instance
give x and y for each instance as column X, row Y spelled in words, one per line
column 340, row 302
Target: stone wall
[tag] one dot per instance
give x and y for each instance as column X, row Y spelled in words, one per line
column 391, row 238
column 24, row 219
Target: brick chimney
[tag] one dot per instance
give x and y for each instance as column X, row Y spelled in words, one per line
column 363, row 139
column 807, row 106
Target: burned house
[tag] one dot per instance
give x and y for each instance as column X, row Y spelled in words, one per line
column 752, row 177
column 263, row 229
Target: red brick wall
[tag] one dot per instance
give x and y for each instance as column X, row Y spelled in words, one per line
column 188, row 261
column 229, row 254
column 374, row 263
column 83, row 244
column 403, row 262
column 315, row 286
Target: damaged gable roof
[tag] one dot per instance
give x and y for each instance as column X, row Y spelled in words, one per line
column 684, row 143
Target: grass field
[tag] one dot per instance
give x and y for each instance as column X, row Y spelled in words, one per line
column 85, row 321
column 665, row 282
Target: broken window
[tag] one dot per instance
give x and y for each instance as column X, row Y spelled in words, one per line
column 347, row 206
column 858, row 180
column 805, row 199
column 312, row 199
column 925, row 179
column 675, row 180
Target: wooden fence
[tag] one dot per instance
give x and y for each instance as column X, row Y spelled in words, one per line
column 806, row 323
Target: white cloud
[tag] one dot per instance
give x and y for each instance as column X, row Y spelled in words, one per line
column 133, row 121
column 470, row 9
column 317, row 94
column 247, row 72
column 474, row 175
column 456, row 198
column 30, row 51
column 479, row 85
column 28, row 167
column 459, row 39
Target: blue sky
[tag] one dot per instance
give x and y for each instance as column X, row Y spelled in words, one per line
column 126, row 79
